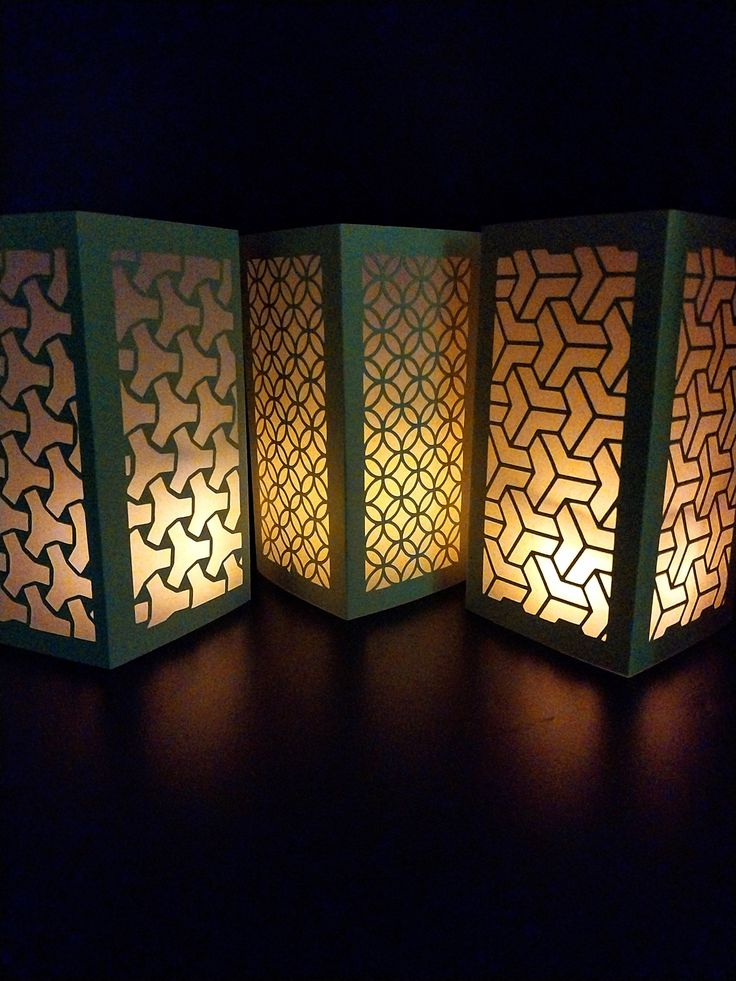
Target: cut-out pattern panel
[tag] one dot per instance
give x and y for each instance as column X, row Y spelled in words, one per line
column 44, row 551
column 287, row 344
column 174, row 326
column 415, row 332
column 698, row 512
column 560, row 355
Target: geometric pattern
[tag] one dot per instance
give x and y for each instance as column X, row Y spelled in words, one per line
column 173, row 320
column 415, row 332
column 699, row 508
column 558, row 391
column 287, row 345
column 43, row 532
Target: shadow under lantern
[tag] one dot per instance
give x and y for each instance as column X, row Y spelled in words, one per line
column 604, row 459
column 123, row 507
column 356, row 361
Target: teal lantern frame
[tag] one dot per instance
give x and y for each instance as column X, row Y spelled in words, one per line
column 357, row 349
column 603, row 496
column 123, row 488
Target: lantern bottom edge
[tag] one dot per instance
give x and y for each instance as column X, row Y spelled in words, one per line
column 623, row 654
column 340, row 602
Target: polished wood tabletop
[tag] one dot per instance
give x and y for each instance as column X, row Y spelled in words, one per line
column 416, row 794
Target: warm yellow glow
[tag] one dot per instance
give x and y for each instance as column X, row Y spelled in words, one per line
column 43, row 530
column 700, row 491
column 558, row 387
column 179, row 410
column 287, row 343
column 415, row 323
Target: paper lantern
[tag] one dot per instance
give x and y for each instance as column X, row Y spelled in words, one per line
column 123, row 507
column 603, row 489
column 356, row 381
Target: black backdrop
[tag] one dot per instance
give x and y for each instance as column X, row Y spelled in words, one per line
column 446, row 114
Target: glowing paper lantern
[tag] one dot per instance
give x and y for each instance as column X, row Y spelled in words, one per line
column 604, row 459
column 356, row 375
column 123, row 507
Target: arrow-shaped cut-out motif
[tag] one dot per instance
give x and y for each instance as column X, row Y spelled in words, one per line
column 556, row 430
column 591, row 276
column 700, row 491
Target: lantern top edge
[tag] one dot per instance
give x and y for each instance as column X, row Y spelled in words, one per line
column 605, row 219
column 103, row 218
column 347, row 240
column 348, row 228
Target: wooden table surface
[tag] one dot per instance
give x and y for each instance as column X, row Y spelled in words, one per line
column 418, row 794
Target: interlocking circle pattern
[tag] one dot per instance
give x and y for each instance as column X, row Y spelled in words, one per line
column 698, row 513
column 287, row 344
column 180, row 414
column 558, row 391
column 415, row 331
column 44, row 551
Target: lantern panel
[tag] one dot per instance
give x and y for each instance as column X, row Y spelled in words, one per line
column 44, row 550
column 415, row 331
column 698, row 513
column 180, row 410
column 561, row 339
column 287, row 346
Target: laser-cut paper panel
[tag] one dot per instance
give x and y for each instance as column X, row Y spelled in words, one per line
column 699, row 513
column 593, row 420
column 561, row 349
column 287, row 344
column 44, row 550
column 134, row 476
column 357, row 360
column 415, row 338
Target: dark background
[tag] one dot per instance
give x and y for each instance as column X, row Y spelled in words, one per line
column 440, row 114
column 418, row 794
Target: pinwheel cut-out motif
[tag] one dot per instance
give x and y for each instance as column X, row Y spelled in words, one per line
column 44, row 549
column 174, row 323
